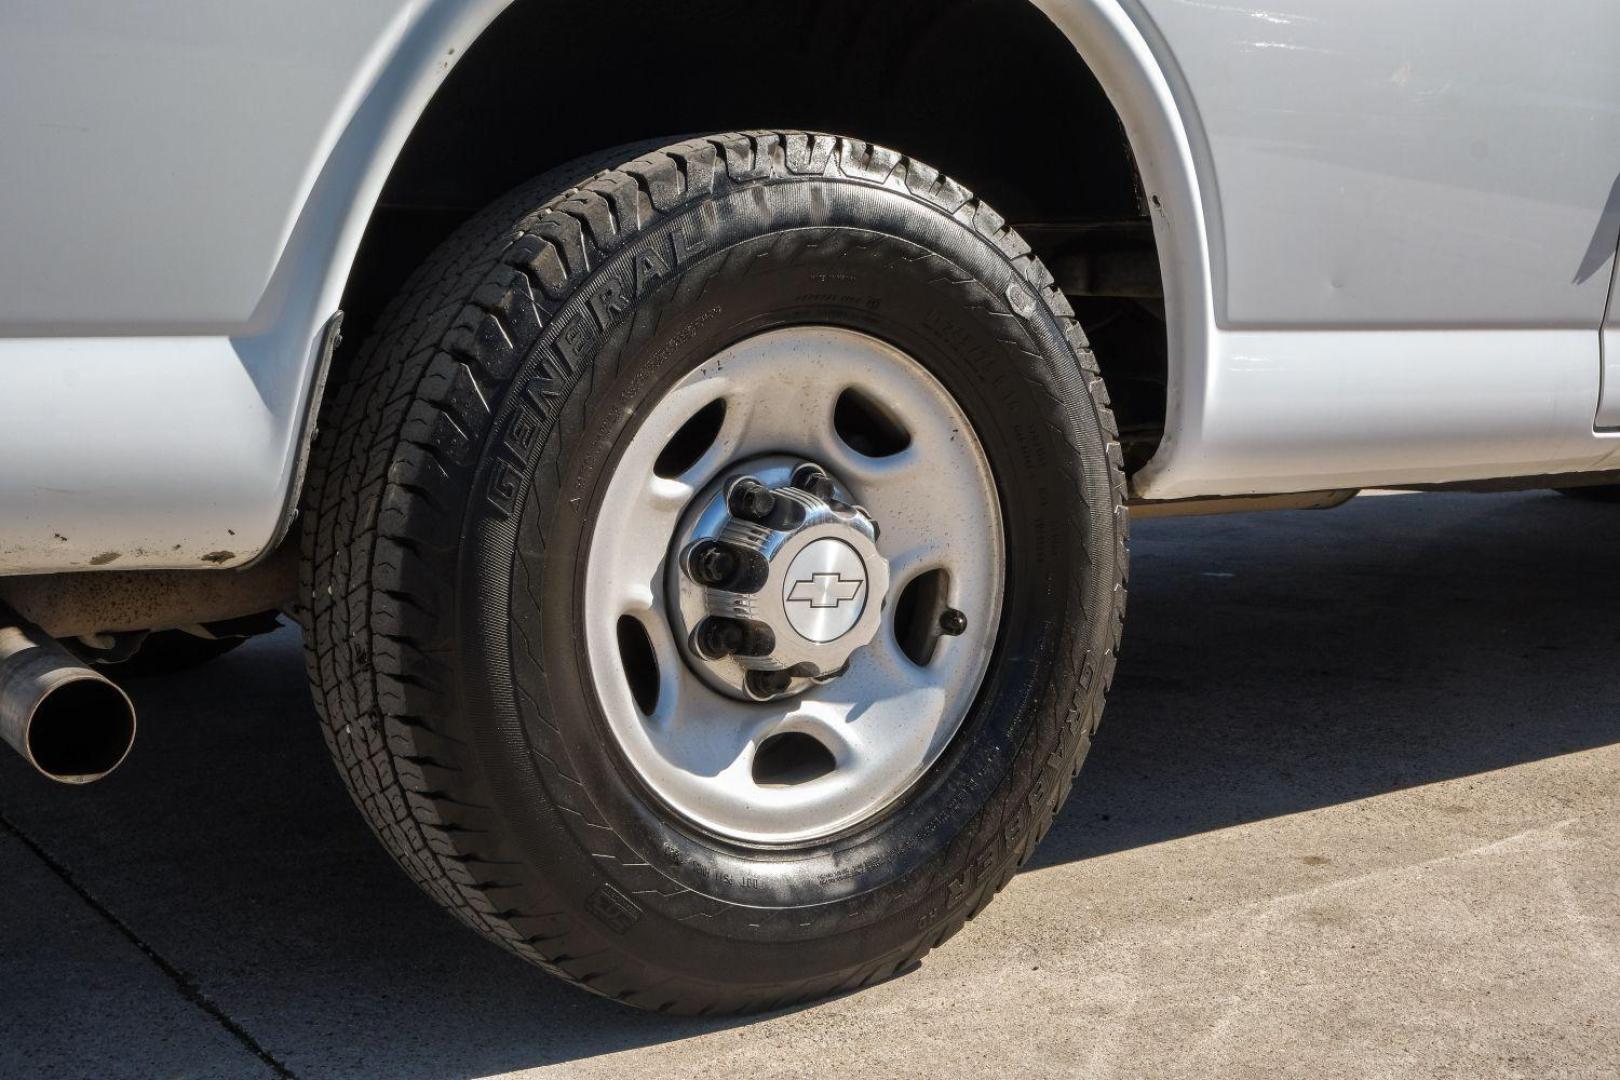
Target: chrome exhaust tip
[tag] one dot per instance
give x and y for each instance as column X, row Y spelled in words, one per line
column 71, row 723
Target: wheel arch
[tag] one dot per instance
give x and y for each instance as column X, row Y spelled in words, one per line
column 324, row 266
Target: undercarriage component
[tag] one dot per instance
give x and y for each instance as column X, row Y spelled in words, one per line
column 103, row 602
column 1240, row 504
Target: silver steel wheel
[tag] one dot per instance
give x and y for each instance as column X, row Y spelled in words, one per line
column 908, row 526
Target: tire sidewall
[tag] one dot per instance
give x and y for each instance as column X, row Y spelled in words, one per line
column 752, row 258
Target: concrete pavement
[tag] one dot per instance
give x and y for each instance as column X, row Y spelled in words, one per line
column 1354, row 812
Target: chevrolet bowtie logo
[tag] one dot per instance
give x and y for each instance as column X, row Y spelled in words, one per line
column 825, row 590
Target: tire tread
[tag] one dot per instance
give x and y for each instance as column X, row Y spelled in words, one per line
column 401, row 427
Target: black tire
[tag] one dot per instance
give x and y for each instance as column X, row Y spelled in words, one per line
column 169, row 652
column 453, row 482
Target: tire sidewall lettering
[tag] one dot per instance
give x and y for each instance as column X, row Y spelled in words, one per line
column 859, row 886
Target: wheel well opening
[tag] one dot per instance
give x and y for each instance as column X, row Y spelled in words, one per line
column 989, row 91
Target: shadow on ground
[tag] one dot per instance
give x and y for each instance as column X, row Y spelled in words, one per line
column 1273, row 664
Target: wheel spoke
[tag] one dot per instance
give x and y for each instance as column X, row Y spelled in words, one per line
column 783, row 415
column 711, row 736
column 870, row 478
column 881, row 716
column 673, row 674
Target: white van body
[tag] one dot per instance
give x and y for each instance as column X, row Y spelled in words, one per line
column 1387, row 236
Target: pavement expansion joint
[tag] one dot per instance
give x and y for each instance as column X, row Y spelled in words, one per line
column 184, row 983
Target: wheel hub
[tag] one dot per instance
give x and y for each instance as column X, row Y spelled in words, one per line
column 776, row 579
column 833, row 677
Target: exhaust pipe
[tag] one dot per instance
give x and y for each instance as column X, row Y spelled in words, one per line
column 69, row 721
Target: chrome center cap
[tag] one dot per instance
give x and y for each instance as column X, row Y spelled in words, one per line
column 775, row 579
column 825, row 590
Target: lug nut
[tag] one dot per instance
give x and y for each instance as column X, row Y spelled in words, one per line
column 758, row 640
column 767, row 684
column 952, row 622
column 712, row 564
column 750, row 500
column 810, row 477
column 718, row 638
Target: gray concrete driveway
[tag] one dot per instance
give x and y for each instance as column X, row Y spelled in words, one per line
column 1354, row 812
